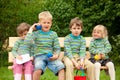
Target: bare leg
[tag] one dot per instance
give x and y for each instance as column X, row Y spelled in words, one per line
column 61, row 74
column 37, row 74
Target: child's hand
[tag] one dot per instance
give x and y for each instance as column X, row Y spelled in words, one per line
column 54, row 57
column 19, row 57
column 31, row 58
column 102, row 56
column 82, row 63
column 32, row 28
column 77, row 66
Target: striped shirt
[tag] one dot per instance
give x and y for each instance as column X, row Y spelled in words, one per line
column 44, row 42
column 18, row 48
column 74, row 45
column 98, row 46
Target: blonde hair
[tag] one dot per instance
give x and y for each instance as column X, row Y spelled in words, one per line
column 45, row 15
column 22, row 28
column 102, row 29
column 76, row 21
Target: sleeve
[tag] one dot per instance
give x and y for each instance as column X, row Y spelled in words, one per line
column 104, row 49
column 107, row 47
column 15, row 48
column 82, row 48
column 56, row 44
column 92, row 48
column 32, row 49
column 68, row 48
column 28, row 44
column 29, row 39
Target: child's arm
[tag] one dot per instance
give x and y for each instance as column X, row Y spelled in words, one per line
column 15, row 48
column 107, row 47
column 77, row 66
column 82, row 52
column 29, row 41
column 82, row 48
column 32, row 28
column 93, row 48
column 56, row 46
column 67, row 48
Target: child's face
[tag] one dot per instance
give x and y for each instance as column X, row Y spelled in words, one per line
column 76, row 30
column 46, row 24
column 97, row 34
column 23, row 35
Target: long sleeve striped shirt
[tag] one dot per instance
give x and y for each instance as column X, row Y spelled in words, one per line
column 98, row 46
column 44, row 42
column 18, row 48
column 74, row 45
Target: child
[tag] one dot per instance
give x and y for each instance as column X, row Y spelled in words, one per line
column 22, row 30
column 46, row 41
column 101, row 46
column 75, row 50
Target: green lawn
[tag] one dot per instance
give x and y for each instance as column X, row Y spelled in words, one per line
column 6, row 74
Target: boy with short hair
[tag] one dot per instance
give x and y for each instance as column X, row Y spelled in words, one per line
column 75, row 50
column 46, row 41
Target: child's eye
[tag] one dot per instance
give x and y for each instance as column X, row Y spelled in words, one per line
column 78, row 28
column 44, row 22
column 48, row 22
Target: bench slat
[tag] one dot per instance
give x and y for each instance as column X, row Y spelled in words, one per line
column 10, row 57
column 61, row 41
column 12, row 40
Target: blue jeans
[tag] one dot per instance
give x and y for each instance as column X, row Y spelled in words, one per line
column 42, row 61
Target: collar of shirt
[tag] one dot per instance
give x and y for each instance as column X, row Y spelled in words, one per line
column 75, row 37
column 42, row 32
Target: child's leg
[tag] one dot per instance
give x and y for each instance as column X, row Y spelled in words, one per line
column 37, row 74
column 90, row 69
column 17, row 77
column 57, row 67
column 111, row 70
column 61, row 75
column 69, row 69
column 28, row 70
column 39, row 66
column 97, row 70
column 17, row 70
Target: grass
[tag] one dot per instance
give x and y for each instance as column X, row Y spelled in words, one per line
column 6, row 74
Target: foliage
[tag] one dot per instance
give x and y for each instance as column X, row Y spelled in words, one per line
column 115, row 55
column 91, row 12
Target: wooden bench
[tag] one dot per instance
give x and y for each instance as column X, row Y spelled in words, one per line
column 61, row 41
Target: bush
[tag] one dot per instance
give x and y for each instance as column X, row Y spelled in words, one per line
column 115, row 54
column 3, row 58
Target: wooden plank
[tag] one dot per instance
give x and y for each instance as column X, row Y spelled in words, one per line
column 88, row 39
column 12, row 40
column 10, row 57
column 61, row 41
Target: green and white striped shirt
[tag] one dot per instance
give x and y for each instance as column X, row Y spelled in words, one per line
column 19, row 46
column 74, row 45
column 98, row 46
column 44, row 42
